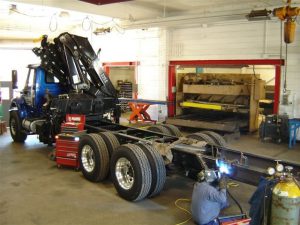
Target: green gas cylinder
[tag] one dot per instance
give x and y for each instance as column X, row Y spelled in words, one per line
column 286, row 203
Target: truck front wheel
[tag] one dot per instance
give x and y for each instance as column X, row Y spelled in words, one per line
column 16, row 132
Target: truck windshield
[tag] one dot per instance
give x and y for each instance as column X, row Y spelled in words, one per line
column 50, row 78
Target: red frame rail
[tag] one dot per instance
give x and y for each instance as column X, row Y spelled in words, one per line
column 277, row 63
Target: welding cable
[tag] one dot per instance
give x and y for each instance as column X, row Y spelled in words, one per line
column 236, row 202
column 53, row 23
column 264, row 206
column 183, row 209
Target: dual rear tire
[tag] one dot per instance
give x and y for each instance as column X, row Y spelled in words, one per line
column 137, row 170
column 167, row 129
column 210, row 137
column 93, row 157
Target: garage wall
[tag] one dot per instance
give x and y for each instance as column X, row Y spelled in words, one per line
column 241, row 40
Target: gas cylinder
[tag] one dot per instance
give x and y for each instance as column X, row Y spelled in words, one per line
column 286, row 202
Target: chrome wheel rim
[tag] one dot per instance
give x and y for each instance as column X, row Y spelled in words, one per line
column 13, row 126
column 88, row 158
column 124, row 173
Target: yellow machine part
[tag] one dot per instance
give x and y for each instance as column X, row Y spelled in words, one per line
column 289, row 31
column 289, row 15
column 201, row 105
column 287, row 189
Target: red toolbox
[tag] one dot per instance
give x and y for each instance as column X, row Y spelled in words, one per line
column 74, row 123
column 67, row 150
column 67, row 142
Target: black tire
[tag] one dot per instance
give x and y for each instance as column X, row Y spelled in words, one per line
column 100, row 157
column 173, row 130
column 158, row 169
column 111, row 141
column 159, row 129
column 219, row 140
column 15, row 125
column 202, row 137
column 139, row 172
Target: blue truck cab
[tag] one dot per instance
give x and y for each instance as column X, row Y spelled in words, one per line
column 30, row 108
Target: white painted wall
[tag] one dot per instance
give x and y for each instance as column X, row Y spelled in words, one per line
column 153, row 48
column 240, row 40
column 143, row 46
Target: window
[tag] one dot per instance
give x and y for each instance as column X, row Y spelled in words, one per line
column 50, row 78
column 30, row 79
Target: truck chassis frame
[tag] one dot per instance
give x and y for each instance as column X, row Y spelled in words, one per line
column 184, row 155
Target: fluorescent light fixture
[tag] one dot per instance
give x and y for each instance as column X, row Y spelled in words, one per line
column 64, row 14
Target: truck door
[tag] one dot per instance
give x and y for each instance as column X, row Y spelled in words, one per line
column 47, row 87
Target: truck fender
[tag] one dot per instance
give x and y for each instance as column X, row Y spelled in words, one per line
column 19, row 105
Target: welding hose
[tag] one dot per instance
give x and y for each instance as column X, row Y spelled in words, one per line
column 232, row 184
column 236, row 202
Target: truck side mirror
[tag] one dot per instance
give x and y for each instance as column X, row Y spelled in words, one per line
column 14, row 79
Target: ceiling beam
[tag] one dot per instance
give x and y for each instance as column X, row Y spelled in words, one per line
column 104, row 2
column 179, row 21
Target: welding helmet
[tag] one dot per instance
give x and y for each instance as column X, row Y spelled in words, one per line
column 207, row 175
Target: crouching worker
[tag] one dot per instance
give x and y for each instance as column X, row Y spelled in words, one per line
column 209, row 198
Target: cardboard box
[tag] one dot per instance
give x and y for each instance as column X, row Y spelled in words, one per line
column 2, row 127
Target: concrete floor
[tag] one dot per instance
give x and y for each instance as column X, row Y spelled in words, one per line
column 252, row 144
column 34, row 191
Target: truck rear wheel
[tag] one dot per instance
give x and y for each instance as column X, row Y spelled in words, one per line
column 111, row 141
column 158, row 169
column 219, row 140
column 93, row 157
column 159, row 129
column 173, row 130
column 15, row 125
column 202, row 137
column 131, row 172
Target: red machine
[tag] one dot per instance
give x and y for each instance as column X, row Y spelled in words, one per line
column 67, row 141
column 139, row 112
